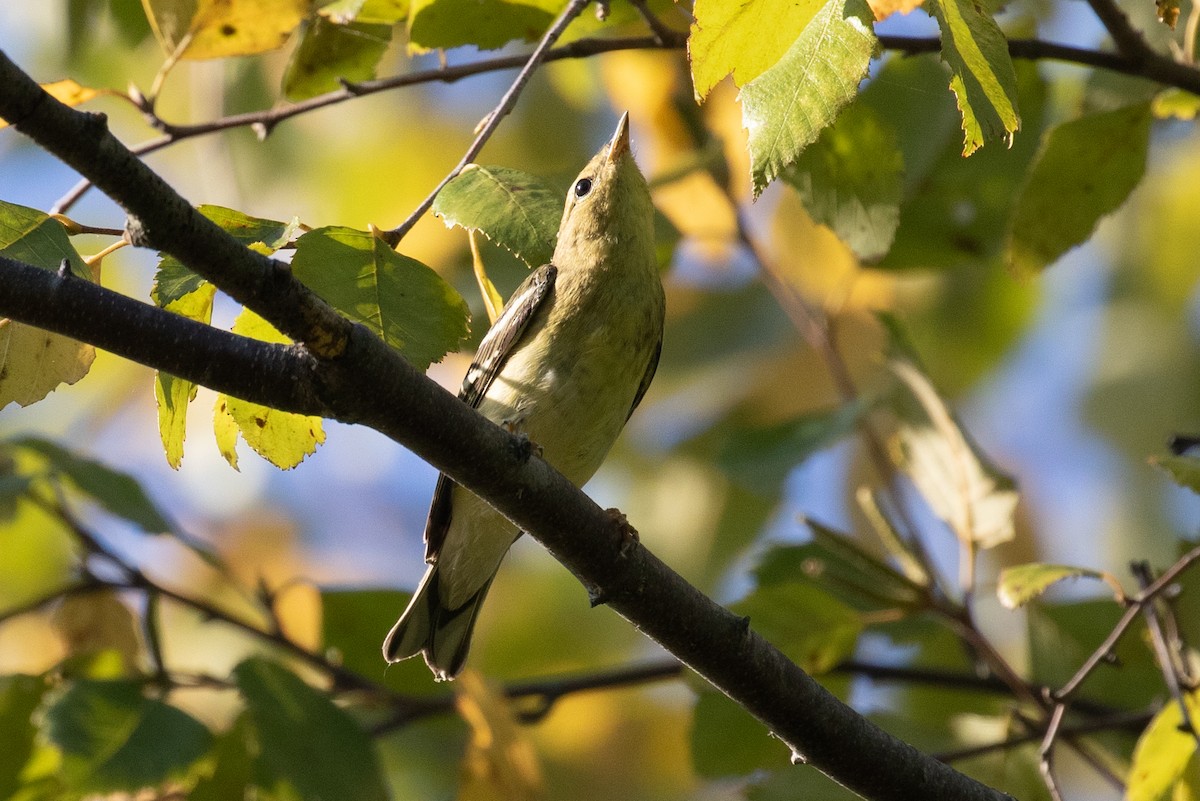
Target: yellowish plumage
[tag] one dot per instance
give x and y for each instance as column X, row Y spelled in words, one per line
column 569, row 382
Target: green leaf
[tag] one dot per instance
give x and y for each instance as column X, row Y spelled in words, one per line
column 960, row 484
column 229, row 770
column 850, row 180
column 785, row 108
column 330, row 52
column 1184, row 470
column 516, row 210
column 173, row 281
column 19, row 697
column 1019, row 585
column 982, row 74
column 119, row 493
column 728, row 741
column 760, row 458
column 383, row 12
column 282, row 438
column 744, row 39
column 35, row 238
column 34, row 362
column 1162, row 753
column 812, row 628
column 841, row 568
column 1085, row 170
column 171, row 393
column 407, row 304
column 307, row 743
column 112, row 738
column 353, row 623
column 485, row 24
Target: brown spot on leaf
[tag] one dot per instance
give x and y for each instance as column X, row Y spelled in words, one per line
column 228, row 30
column 261, row 422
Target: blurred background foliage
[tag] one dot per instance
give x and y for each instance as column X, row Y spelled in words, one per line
column 1068, row 380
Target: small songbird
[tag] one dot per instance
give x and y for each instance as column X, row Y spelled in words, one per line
column 566, row 363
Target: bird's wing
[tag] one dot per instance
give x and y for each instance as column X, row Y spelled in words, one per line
column 647, row 378
column 489, row 360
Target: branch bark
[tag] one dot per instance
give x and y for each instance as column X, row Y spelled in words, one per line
column 362, row 381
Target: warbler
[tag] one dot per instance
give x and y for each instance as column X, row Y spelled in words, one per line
column 566, row 363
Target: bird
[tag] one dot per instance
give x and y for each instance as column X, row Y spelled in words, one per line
column 565, row 364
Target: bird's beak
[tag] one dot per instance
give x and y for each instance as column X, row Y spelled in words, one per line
column 619, row 145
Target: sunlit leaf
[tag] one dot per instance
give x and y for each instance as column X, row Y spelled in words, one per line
column 34, row 362
column 1184, row 470
column 501, row 762
column 1019, row 585
column 975, row 499
column 982, row 75
column 334, row 758
column 330, row 53
column 112, row 738
column 67, row 91
column 119, row 493
column 785, row 108
column 408, row 305
column 282, row 438
column 1085, row 170
column 173, row 281
column 742, row 39
column 850, row 180
column 171, row 393
column 516, row 210
column 220, row 28
column 383, row 12
column 814, row 629
column 1163, row 752
column 1175, row 104
column 486, row 24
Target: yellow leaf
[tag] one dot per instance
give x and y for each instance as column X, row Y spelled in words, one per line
column 219, row 28
column 1163, row 753
column 34, row 362
column 66, row 91
column 744, row 39
column 501, row 763
column 886, row 8
column 172, row 394
column 226, row 431
column 98, row 621
column 282, row 438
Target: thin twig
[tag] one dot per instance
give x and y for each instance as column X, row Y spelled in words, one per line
column 1162, row 650
column 662, row 33
column 573, row 10
column 1128, row 40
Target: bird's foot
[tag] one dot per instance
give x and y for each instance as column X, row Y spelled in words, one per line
column 525, row 447
column 629, row 534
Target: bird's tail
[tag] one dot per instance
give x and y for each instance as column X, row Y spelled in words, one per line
column 441, row 635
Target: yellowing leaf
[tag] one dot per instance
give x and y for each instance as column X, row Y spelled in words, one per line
column 1175, row 104
column 975, row 499
column 886, row 8
column 67, row 91
column 1163, row 753
column 1021, row 584
column 501, row 763
column 282, row 438
column 329, row 53
column 785, row 109
column 173, row 394
column 219, row 28
column 98, row 621
column 34, row 362
column 982, row 74
column 742, row 39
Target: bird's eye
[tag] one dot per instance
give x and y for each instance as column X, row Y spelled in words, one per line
column 582, row 187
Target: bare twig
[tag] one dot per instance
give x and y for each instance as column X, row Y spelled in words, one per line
column 1164, row 651
column 662, row 33
column 1128, row 40
column 492, row 121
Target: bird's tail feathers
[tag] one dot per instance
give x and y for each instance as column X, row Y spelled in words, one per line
column 441, row 635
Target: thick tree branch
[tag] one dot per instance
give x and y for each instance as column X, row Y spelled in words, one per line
column 372, row 385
